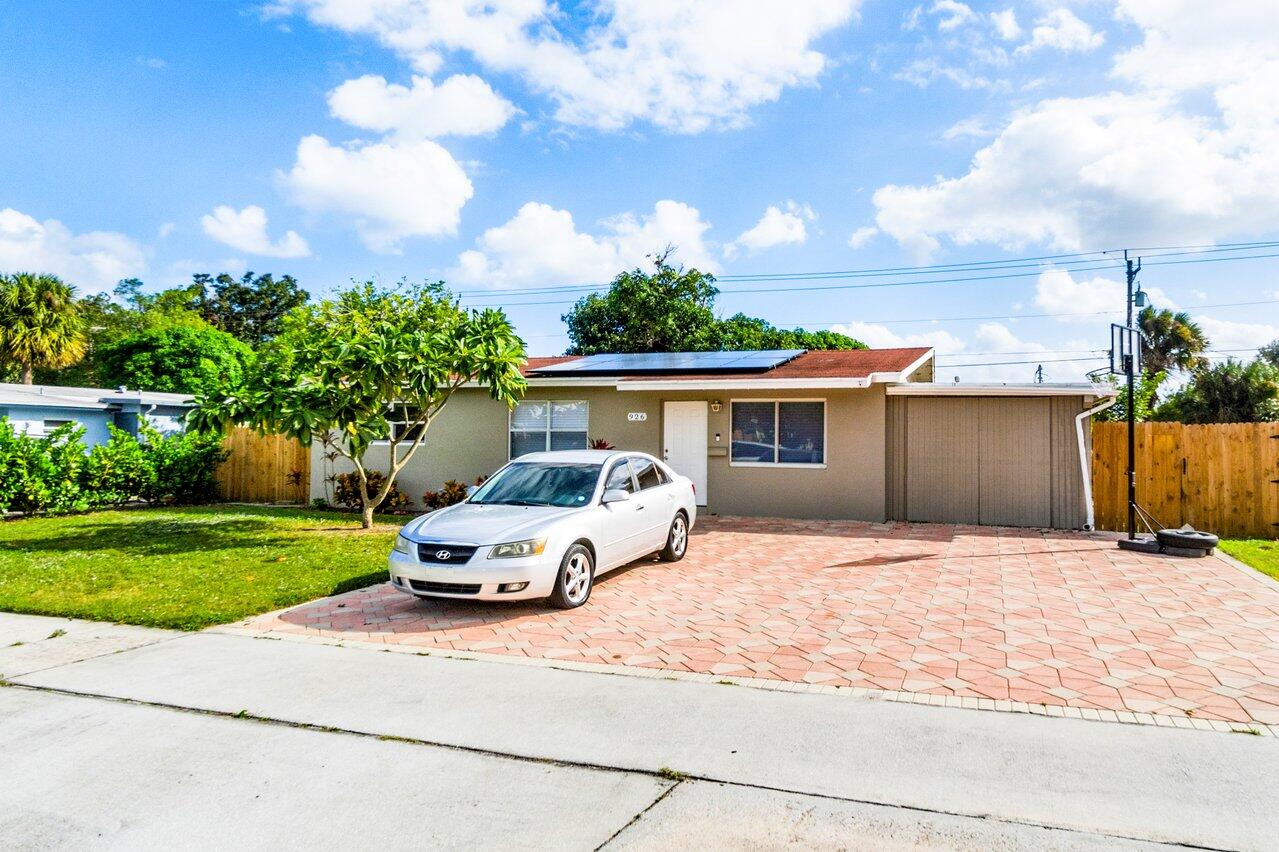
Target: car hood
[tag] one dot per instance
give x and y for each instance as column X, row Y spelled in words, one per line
column 485, row 524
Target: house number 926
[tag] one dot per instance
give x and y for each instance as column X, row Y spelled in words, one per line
column 636, row 416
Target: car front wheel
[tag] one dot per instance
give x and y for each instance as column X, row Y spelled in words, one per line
column 577, row 574
column 676, row 539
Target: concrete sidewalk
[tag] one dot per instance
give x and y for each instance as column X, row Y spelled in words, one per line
column 832, row 765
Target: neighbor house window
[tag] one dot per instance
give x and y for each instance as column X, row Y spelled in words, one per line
column 538, row 425
column 404, row 425
column 779, row 432
column 50, row 425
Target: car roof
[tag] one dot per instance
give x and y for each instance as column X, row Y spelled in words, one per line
column 575, row 456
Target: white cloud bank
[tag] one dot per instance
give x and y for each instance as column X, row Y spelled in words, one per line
column 92, row 261
column 682, row 66
column 393, row 190
column 1126, row 167
column 784, row 225
column 1061, row 30
column 246, row 230
column 541, row 245
column 463, row 105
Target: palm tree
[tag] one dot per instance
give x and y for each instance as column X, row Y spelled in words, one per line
column 40, row 323
column 1174, row 342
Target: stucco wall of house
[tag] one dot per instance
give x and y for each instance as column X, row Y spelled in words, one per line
column 470, row 438
column 31, row 420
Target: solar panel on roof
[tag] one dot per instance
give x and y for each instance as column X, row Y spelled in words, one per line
column 671, row 362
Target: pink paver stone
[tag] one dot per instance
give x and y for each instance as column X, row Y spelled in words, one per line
column 1042, row 617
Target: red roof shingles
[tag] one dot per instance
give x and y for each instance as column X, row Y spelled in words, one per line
column 847, row 364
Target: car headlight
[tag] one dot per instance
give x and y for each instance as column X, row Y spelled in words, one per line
column 513, row 549
column 403, row 545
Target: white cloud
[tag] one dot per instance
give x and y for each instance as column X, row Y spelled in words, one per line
column 1005, row 24
column 542, row 245
column 878, row 336
column 965, row 128
column 683, row 66
column 1061, row 30
column 463, row 105
column 925, row 72
column 394, row 189
column 92, row 261
column 953, row 14
column 246, row 230
column 1058, row 292
column 778, row 226
column 862, row 236
column 165, row 229
column 1231, row 335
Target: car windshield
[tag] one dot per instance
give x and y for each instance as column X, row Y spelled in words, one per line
column 540, row 484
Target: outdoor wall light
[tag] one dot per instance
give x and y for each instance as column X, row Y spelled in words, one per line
column 715, row 406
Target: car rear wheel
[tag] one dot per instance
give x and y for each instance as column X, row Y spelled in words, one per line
column 676, row 539
column 573, row 583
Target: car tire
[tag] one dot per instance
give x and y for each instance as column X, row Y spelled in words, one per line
column 676, row 540
column 574, row 581
column 1187, row 539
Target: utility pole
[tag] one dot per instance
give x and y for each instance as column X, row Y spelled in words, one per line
column 1130, row 367
column 1039, row 374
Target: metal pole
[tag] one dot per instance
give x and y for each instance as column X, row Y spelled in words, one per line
column 1130, row 368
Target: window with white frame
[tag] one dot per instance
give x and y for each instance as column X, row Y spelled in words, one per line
column 786, row 432
column 538, row 425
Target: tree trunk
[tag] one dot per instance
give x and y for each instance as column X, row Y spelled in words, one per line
column 367, row 517
column 28, row 374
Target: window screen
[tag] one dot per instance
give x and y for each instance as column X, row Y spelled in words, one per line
column 754, row 432
column 539, row 425
column 779, row 432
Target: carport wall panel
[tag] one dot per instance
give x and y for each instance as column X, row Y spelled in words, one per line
column 470, row 439
column 1013, row 445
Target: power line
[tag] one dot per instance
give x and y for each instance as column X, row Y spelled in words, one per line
column 1062, row 261
column 882, row 284
column 827, row 323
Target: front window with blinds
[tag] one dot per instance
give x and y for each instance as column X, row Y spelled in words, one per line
column 779, row 432
column 539, row 425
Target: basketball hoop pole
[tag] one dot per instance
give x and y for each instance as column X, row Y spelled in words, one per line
column 1130, row 367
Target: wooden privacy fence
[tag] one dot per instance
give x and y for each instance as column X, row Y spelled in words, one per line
column 265, row 469
column 1221, row 477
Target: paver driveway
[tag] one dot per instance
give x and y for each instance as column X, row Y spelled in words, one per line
column 1030, row 616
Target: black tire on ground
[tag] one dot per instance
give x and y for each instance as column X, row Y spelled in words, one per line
column 572, row 589
column 676, row 539
column 1187, row 539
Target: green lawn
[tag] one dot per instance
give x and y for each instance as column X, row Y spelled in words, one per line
column 1260, row 553
column 185, row 568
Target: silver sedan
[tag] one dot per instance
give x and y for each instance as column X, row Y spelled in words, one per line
column 545, row 526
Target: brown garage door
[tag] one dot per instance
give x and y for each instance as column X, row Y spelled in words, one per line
column 974, row 460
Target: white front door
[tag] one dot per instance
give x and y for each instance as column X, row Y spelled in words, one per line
column 684, row 442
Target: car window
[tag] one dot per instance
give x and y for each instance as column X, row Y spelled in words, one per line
column 539, row 484
column 620, row 478
column 647, row 473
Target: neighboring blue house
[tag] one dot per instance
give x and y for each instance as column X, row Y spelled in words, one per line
column 39, row 409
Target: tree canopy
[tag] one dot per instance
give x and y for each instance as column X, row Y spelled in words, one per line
column 672, row 309
column 40, row 323
column 178, row 359
column 250, row 307
column 1172, row 341
column 343, row 370
column 1229, row 392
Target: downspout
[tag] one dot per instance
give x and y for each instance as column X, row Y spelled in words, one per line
column 1084, row 467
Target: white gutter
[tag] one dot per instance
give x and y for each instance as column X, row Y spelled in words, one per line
column 1085, row 469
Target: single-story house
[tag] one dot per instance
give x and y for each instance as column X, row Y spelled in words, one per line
column 863, row 434
column 39, row 409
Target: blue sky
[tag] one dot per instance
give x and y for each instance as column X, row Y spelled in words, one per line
column 514, row 146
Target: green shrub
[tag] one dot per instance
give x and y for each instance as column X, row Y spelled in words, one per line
column 56, row 474
column 118, row 471
column 184, row 466
column 452, row 492
column 42, row 474
column 346, row 491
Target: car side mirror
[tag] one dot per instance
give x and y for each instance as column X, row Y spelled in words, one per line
column 471, row 489
column 615, row 495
